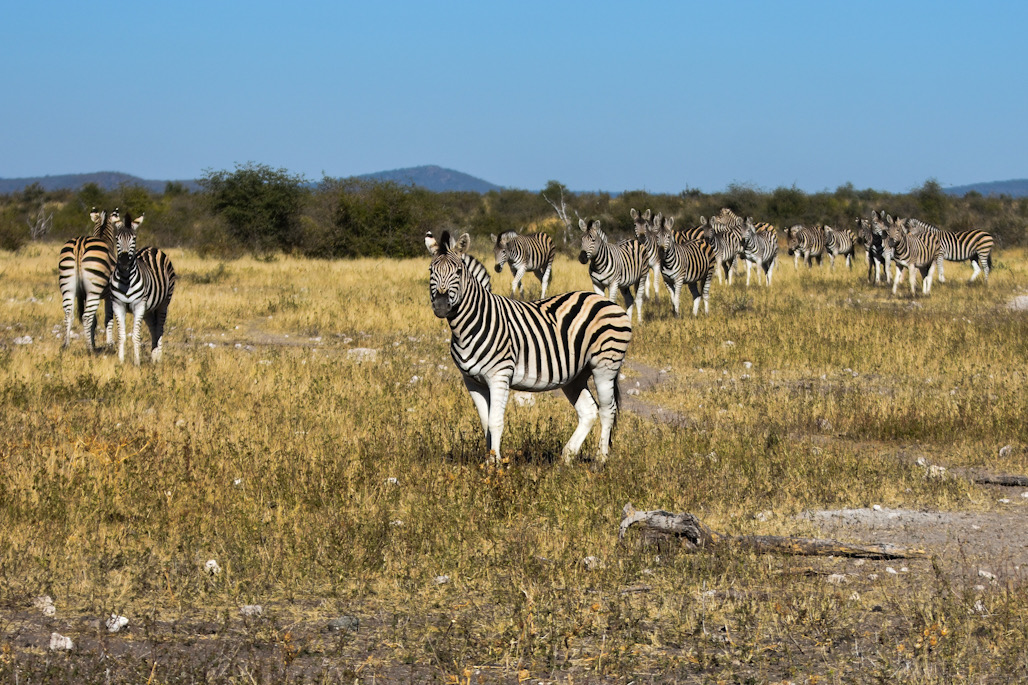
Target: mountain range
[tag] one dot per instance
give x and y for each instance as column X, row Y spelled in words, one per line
column 430, row 177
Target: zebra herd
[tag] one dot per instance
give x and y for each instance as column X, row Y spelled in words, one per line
column 105, row 266
column 500, row 343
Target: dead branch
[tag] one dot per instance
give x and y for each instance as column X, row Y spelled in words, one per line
column 41, row 225
column 562, row 212
column 1009, row 481
column 695, row 535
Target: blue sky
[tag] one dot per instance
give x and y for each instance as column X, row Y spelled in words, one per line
column 660, row 96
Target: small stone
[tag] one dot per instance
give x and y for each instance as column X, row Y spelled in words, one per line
column 836, row 579
column 212, row 568
column 1004, row 500
column 441, row 580
column 46, row 605
column 392, row 481
column 748, row 365
column 414, row 379
column 985, row 574
column 251, row 610
column 59, row 642
column 362, row 354
column 979, row 607
column 890, row 569
column 591, row 563
column 115, row 623
column 396, row 524
column 764, row 515
column 633, row 392
column 23, row 340
column 1004, row 451
column 348, row 623
column 824, row 425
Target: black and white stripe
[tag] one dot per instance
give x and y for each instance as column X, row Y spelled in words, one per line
column 725, row 237
column 644, row 232
column 499, row 344
column 84, row 274
column 615, row 267
column 910, row 252
column 143, row 283
column 878, row 255
column 806, row 242
column 974, row 246
column 476, row 268
column 760, row 247
column 524, row 253
column 691, row 263
column 839, row 242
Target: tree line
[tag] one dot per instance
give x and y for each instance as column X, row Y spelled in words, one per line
column 256, row 209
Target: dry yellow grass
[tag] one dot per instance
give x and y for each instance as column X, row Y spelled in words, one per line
column 262, row 443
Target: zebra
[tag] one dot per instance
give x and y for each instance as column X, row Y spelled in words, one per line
column 959, row 246
column 500, row 343
column 476, row 268
column 143, row 283
column 760, row 247
column 877, row 254
column 644, row 232
column 910, row 252
column 726, row 240
column 691, row 262
column 614, row 267
column 839, row 242
column 689, row 234
column 807, row 242
column 524, row 253
column 84, row 274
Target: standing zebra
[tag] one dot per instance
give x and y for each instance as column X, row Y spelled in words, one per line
column 524, row 253
column 878, row 255
column 760, row 247
column 84, row 275
column 959, row 246
column 807, row 242
column 726, row 240
column 911, row 252
column 839, row 242
column 500, row 343
column 476, row 268
column 644, row 232
column 692, row 262
column 143, row 283
column 614, row 267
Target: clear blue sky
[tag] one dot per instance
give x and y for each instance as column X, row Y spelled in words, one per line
column 660, row 96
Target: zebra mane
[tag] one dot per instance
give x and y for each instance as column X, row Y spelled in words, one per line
column 506, row 236
column 444, row 243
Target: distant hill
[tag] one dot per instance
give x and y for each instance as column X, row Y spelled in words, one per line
column 1013, row 188
column 434, row 178
column 107, row 180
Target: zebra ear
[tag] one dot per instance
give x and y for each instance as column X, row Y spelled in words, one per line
column 430, row 244
column 462, row 244
column 703, row 221
column 596, row 224
column 635, row 214
column 444, row 242
column 647, row 214
column 94, row 215
column 492, row 237
column 669, row 222
column 137, row 222
column 584, row 226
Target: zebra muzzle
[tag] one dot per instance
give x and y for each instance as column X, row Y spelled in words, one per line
column 441, row 306
column 583, row 257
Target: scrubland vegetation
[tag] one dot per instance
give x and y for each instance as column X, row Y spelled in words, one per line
column 327, row 483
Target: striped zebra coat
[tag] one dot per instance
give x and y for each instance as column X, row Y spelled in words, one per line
column 689, row 263
column 644, row 233
column 499, row 344
column 910, row 252
column 84, row 275
column 143, row 283
column 974, row 246
column 839, row 242
column 614, row 268
column 807, row 242
column 524, row 253
column 725, row 238
column 476, row 268
column 760, row 247
column 878, row 256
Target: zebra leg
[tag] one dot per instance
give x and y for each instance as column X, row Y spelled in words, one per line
column 974, row 274
column 545, row 278
column 926, row 280
column 155, row 323
column 577, row 392
column 499, row 391
column 749, row 264
column 109, row 321
column 606, row 380
column 480, row 396
column 119, row 317
column 697, row 297
column 68, row 303
column 938, row 269
column 138, row 312
column 89, row 321
column 730, row 271
column 630, row 301
column 516, row 285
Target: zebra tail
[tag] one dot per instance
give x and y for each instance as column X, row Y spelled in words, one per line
column 617, row 407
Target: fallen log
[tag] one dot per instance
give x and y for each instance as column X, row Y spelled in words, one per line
column 695, row 535
column 1009, row 481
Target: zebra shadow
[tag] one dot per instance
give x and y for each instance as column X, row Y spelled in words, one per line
column 537, row 443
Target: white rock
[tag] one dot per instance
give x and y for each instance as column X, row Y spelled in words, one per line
column 60, row 642
column 748, row 365
column 23, row 340
column 985, row 574
column 877, row 507
column 591, row 563
column 46, row 605
column 441, row 580
column 1003, row 451
column 979, row 588
column 362, row 354
column 764, row 515
column 836, row 579
column 633, row 392
column 524, row 399
column 855, row 597
column 979, row 607
column 211, row 567
column 396, row 524
column 116, row 623
column 414, row 379
column 392, row 481
column 890, row 569
column 251, row 610
column 1004, row 500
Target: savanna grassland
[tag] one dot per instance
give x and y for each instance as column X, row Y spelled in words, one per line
column 328, row 484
